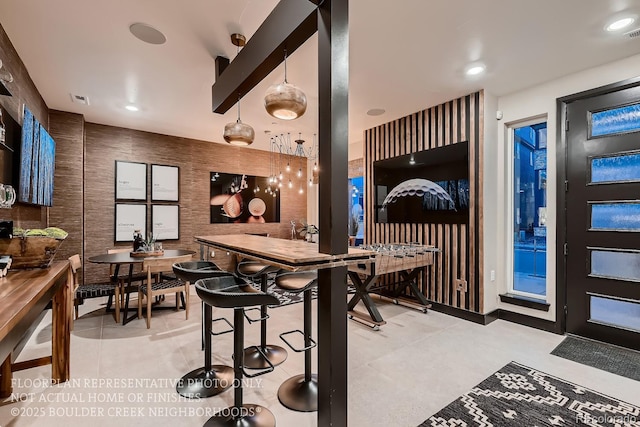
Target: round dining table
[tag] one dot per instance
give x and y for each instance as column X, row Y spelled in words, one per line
column 120, row 258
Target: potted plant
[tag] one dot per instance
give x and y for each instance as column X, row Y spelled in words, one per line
column 309, row 232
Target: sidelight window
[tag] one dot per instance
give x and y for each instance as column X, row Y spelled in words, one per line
column 529, row 252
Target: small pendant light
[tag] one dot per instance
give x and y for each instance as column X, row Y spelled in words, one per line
column 284, row 100
column 238, row 133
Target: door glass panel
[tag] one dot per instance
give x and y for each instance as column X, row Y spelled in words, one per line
column 615, row 312
column 616, row 120
column 615, row 216
column 530, row 209
column 616, row 264
column 622, row 168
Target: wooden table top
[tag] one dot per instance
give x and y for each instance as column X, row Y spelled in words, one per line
column 20, row 290
column 294, row 255
column 125, row 258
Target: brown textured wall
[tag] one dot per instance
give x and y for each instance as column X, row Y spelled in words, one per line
column 356, row 168
column 460, row 244
column 196, row 159
column 24, row 92
column 67, row 130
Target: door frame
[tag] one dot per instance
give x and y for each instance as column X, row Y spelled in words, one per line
column 561, row 182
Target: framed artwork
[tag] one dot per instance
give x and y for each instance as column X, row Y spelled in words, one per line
column 165, row 183
column 131, row 181
column 165, row 222
column 130, row 217
column 240, row 198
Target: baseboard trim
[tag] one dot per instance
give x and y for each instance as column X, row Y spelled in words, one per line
column 509, row 316
column 533, row 322
column 482, row 319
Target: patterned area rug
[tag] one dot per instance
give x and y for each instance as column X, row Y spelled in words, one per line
column 520, row 396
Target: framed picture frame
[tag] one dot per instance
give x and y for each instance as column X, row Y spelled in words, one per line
column 131, row 181
column 165, row 183
column 128, row 218
column 165, row 222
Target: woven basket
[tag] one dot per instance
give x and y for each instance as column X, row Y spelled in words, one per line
column 31, row 251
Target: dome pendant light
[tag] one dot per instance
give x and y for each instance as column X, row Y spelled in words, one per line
column 238, row 133
column 284, row 100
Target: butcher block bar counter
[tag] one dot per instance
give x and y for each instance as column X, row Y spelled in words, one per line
column 293, row 255
column 23, row 295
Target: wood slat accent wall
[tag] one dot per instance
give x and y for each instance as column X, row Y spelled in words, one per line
column 24, row 92
column 196, row 159
column 453, row 122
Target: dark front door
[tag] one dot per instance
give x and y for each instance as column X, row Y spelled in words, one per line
column 603, row 217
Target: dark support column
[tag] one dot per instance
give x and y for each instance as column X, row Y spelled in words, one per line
column 333, row 74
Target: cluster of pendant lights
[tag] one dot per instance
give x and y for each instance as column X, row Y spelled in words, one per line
column 282, row 101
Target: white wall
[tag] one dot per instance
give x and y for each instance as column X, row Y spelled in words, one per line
column 491, row 225
column 535, row 102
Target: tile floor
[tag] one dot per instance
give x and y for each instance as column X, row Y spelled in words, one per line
column 398, row 376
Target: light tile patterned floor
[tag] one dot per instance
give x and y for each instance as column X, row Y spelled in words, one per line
column 398, row 376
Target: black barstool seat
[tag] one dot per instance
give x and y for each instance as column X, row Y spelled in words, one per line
column 208, row 380
column 300, row 392
column 234, row 292
column 275, row 354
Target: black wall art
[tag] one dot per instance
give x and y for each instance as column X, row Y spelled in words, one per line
column 238, row 198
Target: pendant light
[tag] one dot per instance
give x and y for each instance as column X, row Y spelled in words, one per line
column 238, row 133
column 284, row 100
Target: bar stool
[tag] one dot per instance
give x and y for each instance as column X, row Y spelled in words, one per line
column 234, row 292
column 254, row 270
column 300, row 392
column 209, row 380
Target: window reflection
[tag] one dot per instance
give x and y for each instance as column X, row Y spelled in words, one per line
column 530, row 209
column 356, row 210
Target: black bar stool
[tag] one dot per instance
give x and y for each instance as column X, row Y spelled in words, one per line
column 234, row 292
column 210, row 379
column 300, row 392
column 254, row 270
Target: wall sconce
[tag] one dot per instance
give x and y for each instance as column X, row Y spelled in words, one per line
column 284, row 100
column 5, row 77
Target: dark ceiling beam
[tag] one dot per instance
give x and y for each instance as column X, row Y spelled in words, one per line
column 291, row 23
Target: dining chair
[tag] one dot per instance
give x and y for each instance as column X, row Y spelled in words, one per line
column 75, row 264
column 155, row 285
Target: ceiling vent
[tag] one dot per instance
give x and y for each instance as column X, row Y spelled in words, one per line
column 634, row 33
column 79, row 99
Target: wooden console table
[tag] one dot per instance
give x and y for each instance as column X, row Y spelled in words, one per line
column 23, row 295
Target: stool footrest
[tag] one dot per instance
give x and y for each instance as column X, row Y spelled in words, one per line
column 270, row 367
column 226, row 331
column 252, row 319
column 297, row 350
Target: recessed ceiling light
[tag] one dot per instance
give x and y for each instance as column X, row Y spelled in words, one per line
column 474, row 70
column 131, row 108
column 376, row 112
column 620, row 24
column 147, row 33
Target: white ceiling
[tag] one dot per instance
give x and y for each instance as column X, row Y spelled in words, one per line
column 405, row 55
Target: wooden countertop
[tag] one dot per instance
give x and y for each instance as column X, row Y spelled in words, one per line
column 295, row 255
column 21, row 290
